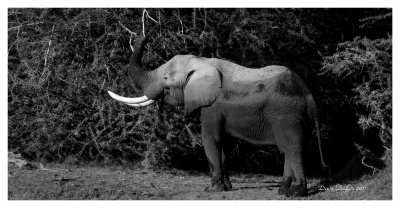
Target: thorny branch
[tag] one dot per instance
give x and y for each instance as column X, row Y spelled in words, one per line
column 108, row 70
column 143, row 28
column 47, row 53
column 94, row 140
column 191, row 134
column 179, row 18
column 15, row 42
column 363, row 151
column 144, row 35
column 370, row 166
column 127, row 29
column 102, row 85
column 130, row 32
column 194, row 18
column 17, row 27
column 147, row 14
column 159, row 19
column 205, row 19
column 69, row 82
column 205, row 24
column 75, row 131
column 48, row 48
column 9, row 49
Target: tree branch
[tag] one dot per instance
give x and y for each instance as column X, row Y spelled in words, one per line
column 75, row 131
column 131, row 33
column 144, row 35
column 147, row 14
column 205, row 19
column 179, row 18
column 108, row 70
column 159, row 19
column 194, row 18
column 48, row 48
column 17, row 27
column 370, row 166
column 192, row 135
column 127, row 29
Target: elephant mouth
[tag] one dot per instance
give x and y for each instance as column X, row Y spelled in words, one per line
column 166, row 91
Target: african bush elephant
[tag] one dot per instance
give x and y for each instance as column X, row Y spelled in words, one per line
column 262, row 106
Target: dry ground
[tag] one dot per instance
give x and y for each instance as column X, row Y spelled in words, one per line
column 60, row 182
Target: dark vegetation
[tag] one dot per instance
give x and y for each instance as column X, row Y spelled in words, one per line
column 61, row 62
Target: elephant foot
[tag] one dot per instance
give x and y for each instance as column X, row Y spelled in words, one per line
column 297, row 191
column 285, row 185
column 283, row 190
column 227, row 184
column 214, row 188
column 218, row 187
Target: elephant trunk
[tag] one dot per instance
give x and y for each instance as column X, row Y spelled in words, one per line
column 138, row 76
column 146, row 80
column 135, row 71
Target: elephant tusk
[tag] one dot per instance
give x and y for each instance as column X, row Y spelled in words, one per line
column 127, row 100
column 149, row 102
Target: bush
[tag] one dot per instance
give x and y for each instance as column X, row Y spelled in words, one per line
column 61, row 63
column 366, row 67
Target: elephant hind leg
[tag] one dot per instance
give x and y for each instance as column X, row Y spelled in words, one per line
column 299, row 188
column 288, row 177
column 289, row 138
column 225, row 172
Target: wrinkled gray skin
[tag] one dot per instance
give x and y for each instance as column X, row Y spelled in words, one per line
column 262, row 106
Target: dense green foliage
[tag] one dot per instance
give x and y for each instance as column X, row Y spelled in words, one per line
column 61, row 62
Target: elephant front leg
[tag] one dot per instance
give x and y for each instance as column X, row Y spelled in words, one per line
column 211, row 136
column 213, row 153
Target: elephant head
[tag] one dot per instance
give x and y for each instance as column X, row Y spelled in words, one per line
column 185, row 79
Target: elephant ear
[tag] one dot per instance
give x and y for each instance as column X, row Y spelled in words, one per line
column 202, row 87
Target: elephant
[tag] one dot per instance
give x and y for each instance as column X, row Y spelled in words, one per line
column 268, row 105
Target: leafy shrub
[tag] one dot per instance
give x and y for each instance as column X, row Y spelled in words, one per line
column 366, row 66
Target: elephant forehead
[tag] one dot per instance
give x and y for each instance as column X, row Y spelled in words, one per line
column 251, row 75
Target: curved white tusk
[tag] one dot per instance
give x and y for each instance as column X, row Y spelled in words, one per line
column 136, row 100
column 149, row 102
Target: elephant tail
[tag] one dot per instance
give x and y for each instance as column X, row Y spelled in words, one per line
column 312, row 112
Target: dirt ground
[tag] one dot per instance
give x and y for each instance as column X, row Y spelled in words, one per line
column 61, row 182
